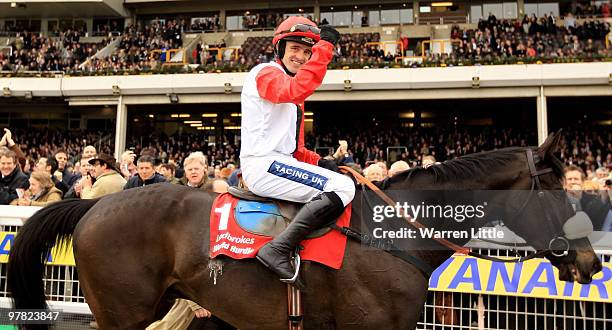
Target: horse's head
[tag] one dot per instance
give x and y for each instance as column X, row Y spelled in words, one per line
column 544, row 217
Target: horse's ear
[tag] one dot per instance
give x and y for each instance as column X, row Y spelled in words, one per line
column 550, row 145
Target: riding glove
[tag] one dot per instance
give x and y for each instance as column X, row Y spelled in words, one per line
column 330, row 34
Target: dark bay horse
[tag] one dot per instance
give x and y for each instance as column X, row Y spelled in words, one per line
column 139, row 249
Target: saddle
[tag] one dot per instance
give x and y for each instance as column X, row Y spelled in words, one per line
column 264, row 216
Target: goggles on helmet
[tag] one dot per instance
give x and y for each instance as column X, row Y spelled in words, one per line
column 302, row 28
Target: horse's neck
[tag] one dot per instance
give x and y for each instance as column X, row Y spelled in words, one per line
column 425, row 181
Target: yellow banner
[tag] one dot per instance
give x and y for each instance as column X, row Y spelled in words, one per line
column 56, row 258
column 533, row 278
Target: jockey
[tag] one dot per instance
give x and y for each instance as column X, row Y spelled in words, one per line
column 273, row 158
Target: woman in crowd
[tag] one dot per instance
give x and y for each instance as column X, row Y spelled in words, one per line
column 41, row 192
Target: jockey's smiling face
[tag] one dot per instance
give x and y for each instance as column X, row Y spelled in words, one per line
column 296, row 55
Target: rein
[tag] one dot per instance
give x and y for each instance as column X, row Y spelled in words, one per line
column 535, row 184
column 360, row 178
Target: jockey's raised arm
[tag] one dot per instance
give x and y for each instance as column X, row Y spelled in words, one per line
column 277, row 86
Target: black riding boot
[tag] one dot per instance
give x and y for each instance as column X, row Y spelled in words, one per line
column 322, row 210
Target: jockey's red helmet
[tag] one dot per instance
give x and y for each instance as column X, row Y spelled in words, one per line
column 297, row 29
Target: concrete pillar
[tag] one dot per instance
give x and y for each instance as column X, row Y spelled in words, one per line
column 120, row 128
column 521, row 8
column 222, row 22
column 317, row 12
column 415, row 11
column 542, row 117
column 90, row 27
column 44, row 26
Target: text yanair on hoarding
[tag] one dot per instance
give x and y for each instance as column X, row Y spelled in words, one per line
column 533, row 278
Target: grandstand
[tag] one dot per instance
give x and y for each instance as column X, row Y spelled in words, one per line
column 190, row 37
column 408, row 79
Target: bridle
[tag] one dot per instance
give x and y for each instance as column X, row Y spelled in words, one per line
column 558, row 246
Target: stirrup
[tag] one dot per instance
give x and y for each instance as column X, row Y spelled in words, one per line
column 297, row 263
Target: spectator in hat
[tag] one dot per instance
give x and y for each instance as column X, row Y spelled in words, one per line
column 108, row 179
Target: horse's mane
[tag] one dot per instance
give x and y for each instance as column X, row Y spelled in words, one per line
column 467, row 167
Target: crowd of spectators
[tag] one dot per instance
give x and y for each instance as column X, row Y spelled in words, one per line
column 35, row 52
column 41, row 167
column 141, row 48
column 75, row 165
column 175, row 148
column 589, row 149
column 530, row 38
column 37, row 143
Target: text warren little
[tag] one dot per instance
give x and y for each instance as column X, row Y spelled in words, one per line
column 486, row 233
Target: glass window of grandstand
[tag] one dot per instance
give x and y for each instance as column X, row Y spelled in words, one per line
column 9, row 26
column 263, row 19
column 363, row 16
column 501, row 10
column 106, row 26
column 443, row 12
column 19, row 25
column 585, row 8
column 541, row 8
column 65, row 24
column 204, row 22
column 81, row 26
column 151, row 21
column 35, row 25
column 53, row 27
column 23, row 25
